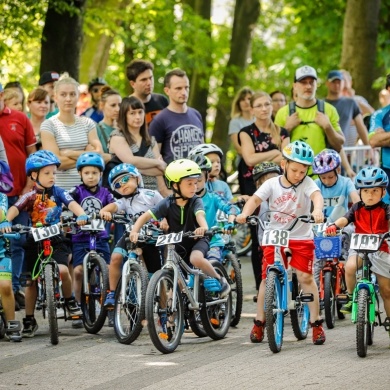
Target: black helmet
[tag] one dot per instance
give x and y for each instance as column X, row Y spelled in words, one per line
column 96, row 81
column 263, row 168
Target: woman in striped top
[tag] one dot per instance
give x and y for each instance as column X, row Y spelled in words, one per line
column 68, row 135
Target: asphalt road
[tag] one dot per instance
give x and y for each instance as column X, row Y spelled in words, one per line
column 83, row 361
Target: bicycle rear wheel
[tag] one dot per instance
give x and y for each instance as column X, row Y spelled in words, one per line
column 50, row 285
column 94, row 313
column 274, row 314
column 233, row 271
column 329, row 299
column 300, row 315
column 196, row 324
column 363, row 326
column 165, row 321
column 129, row 310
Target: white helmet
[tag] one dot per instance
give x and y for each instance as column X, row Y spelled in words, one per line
column 206, row 149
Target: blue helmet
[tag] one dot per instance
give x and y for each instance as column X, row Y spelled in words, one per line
column 39, row 160
column 371, row 177
column 90, row 159
column 299, row 152
column 123, row 170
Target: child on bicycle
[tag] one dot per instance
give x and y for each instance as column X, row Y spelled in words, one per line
column 126, row 180
column 212, row 204
column 92, row 197
column 184, row 211
column 290, row 195
column 336, row 190
column 371, row 216
column 14, row 328
column 44, row 205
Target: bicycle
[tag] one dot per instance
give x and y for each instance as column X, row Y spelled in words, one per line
column 283, row 292
column 332, row 276
column 365, row 302
column 174, row 301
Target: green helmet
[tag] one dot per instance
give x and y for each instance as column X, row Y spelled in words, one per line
column 180, row 169
column 263, row 168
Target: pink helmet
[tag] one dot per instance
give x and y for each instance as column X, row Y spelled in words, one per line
column 326, row 161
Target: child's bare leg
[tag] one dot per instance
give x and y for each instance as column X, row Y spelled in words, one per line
column 114, row 270
column 66, row 280
column 7, row 299
column 31, row 297
column 309, row 286
column 353, row 263
column 260, row 314
column 77, row 281
column 197, row 260
column 384, row 289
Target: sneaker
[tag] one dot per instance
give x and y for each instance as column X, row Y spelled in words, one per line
column 20, row 299
column 225, row 287
column 257, row 332
column 13, row 331
column 109, row 303
column 73, row 308
column 318, row 332
column 347, row 307
column 162, row 321
column 30, row 326
column 77, row 324
column 110, row 316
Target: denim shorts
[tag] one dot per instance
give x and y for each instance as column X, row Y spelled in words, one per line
column 80, row 249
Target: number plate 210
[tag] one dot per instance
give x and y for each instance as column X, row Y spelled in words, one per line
column 276, row 238
column 171, row 238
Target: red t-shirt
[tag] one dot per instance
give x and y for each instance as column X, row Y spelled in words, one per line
column 17, row 134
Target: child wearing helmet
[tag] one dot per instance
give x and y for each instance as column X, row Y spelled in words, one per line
column 92, row 197
column 213, row 203
column 291, row 193
column 126, row 180
column 184, row 211
column 370, row 215
column 337, row 191
column 44, row 205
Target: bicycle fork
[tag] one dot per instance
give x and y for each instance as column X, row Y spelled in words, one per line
column 364, row 284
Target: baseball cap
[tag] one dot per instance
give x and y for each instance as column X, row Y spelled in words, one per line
column 48, row 77
column 305, row 71
column 335, row 75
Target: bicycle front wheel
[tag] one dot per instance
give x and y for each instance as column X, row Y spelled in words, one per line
column 329, row 299
column 233, row 271
column 129, row 310
column 243, row 239
column 274, row 314
column 363, row 326
column 300, row 315
column 92, row 301
column 2, row 325
column 165, row 320
column 50, row 285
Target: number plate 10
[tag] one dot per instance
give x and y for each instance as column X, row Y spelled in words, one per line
column 45, row 232
column 275, row 238
column 171, row 238
column 365, row 242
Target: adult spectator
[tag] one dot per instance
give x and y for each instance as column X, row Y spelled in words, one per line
column 132, row 144
column 38, row 103
column 279, row 99
column 379, row 135
column 177, row 128
column 68, row 135
column 95, row 89
column 308, row 123
column 84, row 99
column 241, row 115
column 19, row 142
column 384, row 98
column 140, row 75
column 46, row 81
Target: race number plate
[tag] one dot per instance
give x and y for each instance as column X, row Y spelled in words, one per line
column 171, row 238
column 365, row 242
column 276, row 238
column 42, row 233
column 95, row 225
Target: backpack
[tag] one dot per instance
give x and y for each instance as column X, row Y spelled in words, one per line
column 6, row 178
column 320, row 106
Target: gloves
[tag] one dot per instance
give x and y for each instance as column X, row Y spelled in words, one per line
column 5, row 225
column 228, row 227
column 331, row 230
column 82, row 218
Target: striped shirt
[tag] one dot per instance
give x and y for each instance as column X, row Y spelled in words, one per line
column 73, row 137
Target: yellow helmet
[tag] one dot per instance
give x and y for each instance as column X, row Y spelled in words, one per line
column 179, row 169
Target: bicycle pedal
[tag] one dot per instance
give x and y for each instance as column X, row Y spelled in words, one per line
column 308, row 297
column 386, row 324
column 342, row 298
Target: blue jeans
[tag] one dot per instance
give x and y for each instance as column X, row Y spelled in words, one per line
column 17, row 251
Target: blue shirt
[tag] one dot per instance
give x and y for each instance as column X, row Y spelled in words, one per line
column 381, row 119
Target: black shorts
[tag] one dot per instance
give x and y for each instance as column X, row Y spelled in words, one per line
column 33, row 249
column 185, row 248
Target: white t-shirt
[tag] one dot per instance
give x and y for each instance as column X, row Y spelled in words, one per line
column 291, row 201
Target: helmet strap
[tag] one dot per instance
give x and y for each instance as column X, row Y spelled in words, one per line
column 177, row 193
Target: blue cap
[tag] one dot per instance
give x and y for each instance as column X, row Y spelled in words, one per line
column 335, row 75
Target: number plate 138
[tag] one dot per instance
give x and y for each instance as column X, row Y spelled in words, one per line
column 275, row 238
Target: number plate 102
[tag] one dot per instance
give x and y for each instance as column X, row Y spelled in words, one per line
column 365, row 241
column 276, row 238
column 171, row 238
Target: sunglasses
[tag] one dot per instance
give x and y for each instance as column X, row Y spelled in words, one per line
column 122, row 181
column 95, row 90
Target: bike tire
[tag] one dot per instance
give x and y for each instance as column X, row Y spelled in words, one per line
column 196, row 324
column 233, row 271
column 243, row 239
column 363, row 328
column 130, row 313
column 2, row 326
column 158, row 303
column 94, row 314
column 329, row 300
column 216, row 318
column 343, row 289
column 51, row 303
column 300, row 315
column 274, row 314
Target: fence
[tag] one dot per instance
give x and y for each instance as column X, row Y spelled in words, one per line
column 361, row 156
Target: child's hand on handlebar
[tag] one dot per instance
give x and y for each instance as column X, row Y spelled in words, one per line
column 241, row 218
column 200, row 231
column 331, row 230
column 133, row 236
column 318, row 216
column 164, row 225
column 105, row 215
column 82, row 219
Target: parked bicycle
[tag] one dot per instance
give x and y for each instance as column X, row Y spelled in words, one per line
column 177, row 294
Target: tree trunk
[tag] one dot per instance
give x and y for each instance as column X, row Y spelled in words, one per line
column 359, row 51
column 246, row 15
column 62, row 38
